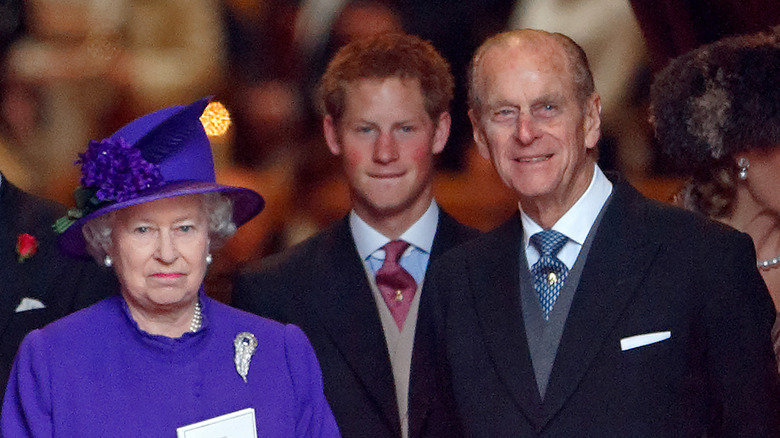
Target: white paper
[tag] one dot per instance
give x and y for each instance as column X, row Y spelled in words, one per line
column 644, row 339
column 239, row 424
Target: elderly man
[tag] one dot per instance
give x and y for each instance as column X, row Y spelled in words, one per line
column 356, row 287
column 593, row 312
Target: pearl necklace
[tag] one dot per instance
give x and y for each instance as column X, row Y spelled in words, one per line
column 197, row 318
column 769, row 263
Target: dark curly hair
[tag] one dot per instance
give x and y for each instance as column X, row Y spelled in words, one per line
column 385, row 56
column 712, row 103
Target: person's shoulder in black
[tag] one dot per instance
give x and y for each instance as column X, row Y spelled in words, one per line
column 38, row 283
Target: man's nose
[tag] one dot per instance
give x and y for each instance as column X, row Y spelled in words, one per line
column 526, row 129
column 386, row 148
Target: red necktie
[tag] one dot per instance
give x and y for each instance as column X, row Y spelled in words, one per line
column 396, row 284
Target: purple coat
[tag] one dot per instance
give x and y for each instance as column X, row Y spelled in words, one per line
column 96, row 374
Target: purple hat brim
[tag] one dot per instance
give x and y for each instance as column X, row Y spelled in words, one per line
column 246, row 205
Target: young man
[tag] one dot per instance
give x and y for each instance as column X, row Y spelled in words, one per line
column 385, row 103
column 594, row 311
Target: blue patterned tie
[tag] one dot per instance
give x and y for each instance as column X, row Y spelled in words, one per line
column 549, row 272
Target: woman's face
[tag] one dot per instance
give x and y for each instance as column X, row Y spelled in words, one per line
column 159, row 252
column 763, row 177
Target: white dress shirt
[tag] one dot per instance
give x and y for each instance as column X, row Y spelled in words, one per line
column 369, row 242
column 574, row 224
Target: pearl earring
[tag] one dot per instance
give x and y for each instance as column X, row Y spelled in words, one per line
column 107, row 262
column 209, row 259
column 743, row 164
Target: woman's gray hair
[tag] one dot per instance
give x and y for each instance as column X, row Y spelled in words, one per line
column 219, row 208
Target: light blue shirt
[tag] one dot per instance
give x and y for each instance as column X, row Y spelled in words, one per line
column 369, row 243
column 574, row 224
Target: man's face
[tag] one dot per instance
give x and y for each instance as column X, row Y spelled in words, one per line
column 531, row 124
column 387, row 144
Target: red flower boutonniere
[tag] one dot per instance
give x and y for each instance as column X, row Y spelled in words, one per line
column 26, row 246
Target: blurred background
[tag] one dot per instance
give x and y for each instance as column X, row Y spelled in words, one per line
column 75, row 70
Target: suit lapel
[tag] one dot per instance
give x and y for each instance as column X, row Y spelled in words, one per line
column 449, row 233
column 349, row 314
column 618, row 259
column 495, row 283
column 422, row 387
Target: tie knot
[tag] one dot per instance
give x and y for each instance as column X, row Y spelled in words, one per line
column 394, row 249
column 548, row 242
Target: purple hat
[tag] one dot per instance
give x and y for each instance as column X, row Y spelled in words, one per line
column 160, row 155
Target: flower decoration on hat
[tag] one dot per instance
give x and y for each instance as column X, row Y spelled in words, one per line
column 112, row 170
column 116, row 170
column 26, row 246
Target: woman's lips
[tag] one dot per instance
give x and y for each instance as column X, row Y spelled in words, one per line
column 168, row 275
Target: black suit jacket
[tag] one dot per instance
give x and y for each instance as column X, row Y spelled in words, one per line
column 651, row 268
column 321, row 286
column 60, row 283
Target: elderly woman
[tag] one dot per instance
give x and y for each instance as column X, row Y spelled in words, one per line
column 161, row 357
column 716, row 111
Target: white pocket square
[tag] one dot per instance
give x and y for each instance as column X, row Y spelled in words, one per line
column 643, row 339
column 29, row 304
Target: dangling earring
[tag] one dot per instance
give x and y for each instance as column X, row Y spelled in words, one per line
column 743, row 164
column 107, row 262
column 209, row 259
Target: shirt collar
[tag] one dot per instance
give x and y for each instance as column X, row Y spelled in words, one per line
column 419, row 235
column 578, row 220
